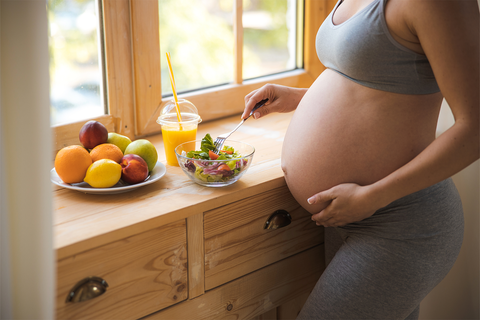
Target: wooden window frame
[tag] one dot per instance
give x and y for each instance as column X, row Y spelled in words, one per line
column 132, row 48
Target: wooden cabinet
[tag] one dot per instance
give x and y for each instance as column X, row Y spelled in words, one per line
column 273, row 288
column 144, row 273
column 237, row 243
column 235, row 266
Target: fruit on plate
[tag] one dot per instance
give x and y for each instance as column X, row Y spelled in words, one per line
column 71, row 163
column 134, row 169
column 104, row 173
column 106, row 151
column 144, row 149
column 119, row 140
column 97, row 162
column 92, row 134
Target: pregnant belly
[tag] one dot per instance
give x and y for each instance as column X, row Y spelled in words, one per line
column 343, row 132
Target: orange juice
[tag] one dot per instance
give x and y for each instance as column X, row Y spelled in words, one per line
column 173, row 136
column 175, row 133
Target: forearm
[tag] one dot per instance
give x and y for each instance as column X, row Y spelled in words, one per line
column 451, row 152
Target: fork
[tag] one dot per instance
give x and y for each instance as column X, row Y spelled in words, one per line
column 221, row 138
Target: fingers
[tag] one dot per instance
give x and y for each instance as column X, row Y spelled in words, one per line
column 250, row 103
column 248, row 96
column 251, row 99
column 322, row 219
column 262, row 111
column 326, row 217
column 320, row 197
column 342, row 204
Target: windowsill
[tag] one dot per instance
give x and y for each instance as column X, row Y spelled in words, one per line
column 84, row 221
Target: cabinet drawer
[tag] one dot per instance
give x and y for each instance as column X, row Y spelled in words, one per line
column 144, row 273
column 236, row 242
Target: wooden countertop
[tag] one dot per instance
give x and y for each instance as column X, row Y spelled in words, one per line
column 84, row 221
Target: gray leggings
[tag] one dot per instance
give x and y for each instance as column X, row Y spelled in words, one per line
column 386, row 264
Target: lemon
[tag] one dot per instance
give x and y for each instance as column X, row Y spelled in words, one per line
column 103, row 173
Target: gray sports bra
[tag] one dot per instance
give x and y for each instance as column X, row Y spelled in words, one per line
column 363, row 50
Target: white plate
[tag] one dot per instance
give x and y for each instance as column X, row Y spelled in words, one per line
column 157, row 172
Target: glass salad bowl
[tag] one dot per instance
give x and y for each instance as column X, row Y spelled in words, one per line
column 228, row 168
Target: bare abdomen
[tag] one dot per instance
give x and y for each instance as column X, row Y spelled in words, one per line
column 344, row 132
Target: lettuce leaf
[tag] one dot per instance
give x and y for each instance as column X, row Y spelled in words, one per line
column 207, row 143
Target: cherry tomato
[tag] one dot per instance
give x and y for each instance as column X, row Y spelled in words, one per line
column 224, row 167
column 212, row 155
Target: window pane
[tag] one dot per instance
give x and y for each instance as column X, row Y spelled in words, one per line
column 269, row 37
column 199, row 36
column 75, row 66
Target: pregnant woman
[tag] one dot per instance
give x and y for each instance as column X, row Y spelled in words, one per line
column 377, row 176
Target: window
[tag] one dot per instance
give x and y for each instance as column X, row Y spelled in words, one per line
column 135, row 45
column 199, row 36
column 270, row 36
column 76, row 88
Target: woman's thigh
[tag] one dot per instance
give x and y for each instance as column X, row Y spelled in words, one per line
column 384, row 272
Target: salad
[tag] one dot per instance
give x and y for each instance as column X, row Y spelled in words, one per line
column 201, row 163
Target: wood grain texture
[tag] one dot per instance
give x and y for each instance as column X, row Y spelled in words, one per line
column 290, row 310
column 146, row 62
column 238, row 44
column 269, row 315
column 236, row 242
column 255, row 293
column 196, row 256
column 118, row 50
column 145, row 273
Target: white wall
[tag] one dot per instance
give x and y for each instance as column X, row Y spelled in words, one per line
column 457, row 296
column 27, row 277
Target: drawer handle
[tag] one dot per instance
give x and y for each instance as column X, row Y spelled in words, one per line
column 278, row 219
column 87, row 289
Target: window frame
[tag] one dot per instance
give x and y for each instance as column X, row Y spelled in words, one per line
column 133, row 77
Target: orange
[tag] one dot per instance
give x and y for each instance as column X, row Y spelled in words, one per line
column 71, row 164
column 106, row 151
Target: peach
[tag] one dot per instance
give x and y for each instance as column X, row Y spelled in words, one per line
column 92, row 134
column 134, row 169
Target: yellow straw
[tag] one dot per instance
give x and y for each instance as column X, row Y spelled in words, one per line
column 172, row 82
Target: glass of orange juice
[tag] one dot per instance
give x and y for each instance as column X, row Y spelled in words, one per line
column 175, row 132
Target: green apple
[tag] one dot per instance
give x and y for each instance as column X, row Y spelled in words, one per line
column 144, row 149
column 120, row 141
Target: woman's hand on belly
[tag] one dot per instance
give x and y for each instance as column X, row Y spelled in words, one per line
column 280, row 99
column 346, row 203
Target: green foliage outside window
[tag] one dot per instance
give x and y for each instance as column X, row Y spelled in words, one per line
column 197, row 33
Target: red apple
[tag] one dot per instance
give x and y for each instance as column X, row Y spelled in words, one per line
column 134, row 169
column 92, row 134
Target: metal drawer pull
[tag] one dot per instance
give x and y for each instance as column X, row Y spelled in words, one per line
column 278, row 219
column 87, row 289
